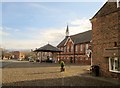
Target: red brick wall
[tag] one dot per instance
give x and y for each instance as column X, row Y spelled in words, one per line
column 105, row 33
column 77, row 55
column 16, row 54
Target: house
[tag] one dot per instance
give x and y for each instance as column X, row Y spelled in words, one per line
column 75, row 48
column 5, row 54
column 18, row 55
column 106, row 39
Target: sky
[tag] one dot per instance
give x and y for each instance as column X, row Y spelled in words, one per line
column 30, row 25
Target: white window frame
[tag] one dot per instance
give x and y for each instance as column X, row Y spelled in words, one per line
column 118, row 3
column 71, row 48
column 110, row 68
column 81, row 47
column 67, row 48
column 86, row 46
column 81, row 58
column 76, row 48
column 86, row 58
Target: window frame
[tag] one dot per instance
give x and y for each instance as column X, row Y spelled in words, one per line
column 76, row 48
column 110, row 67
column 81, row 47
column 86, row 58
column 86, row 47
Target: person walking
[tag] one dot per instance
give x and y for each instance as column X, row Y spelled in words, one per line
column 62, row 64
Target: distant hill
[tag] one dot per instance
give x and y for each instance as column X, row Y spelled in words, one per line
column 22, row 50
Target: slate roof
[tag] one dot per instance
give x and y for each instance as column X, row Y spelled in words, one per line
column 78, row 38
column 48, row 48
column 62, row 42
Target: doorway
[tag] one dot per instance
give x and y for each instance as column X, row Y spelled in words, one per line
column 71, row 60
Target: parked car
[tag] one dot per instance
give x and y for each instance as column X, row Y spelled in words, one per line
column 49, row 61
column 20, row 59
column 37, row 60
column 31, row 60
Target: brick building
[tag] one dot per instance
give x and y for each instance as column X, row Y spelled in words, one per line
column 75, row 48
column 18, row 55
column 106, row 39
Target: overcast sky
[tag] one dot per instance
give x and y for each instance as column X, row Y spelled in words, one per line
column 30, row 25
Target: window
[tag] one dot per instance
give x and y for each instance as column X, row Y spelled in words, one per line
column 86, row 58
column 71, row 48
column 76, row 48
column 81, row 47
column 76, row 59
column 114, row 64
column 118, row 3
column 65, row 49
column 86, row 48
column 80, row 58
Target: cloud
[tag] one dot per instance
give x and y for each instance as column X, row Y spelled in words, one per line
column 56, row 0
column 79, row 25
column 2, row 32
column 31, row 38
column 35, row 38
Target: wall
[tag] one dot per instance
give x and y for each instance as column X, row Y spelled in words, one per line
column 105, row 33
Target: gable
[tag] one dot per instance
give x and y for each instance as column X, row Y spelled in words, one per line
column 107, row 8
column 68, row 40
column 77, row 38
column 62, row 42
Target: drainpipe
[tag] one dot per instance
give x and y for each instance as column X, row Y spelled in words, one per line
column 91, row 59
column 74, row 53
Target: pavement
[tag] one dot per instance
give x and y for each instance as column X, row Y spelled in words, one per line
column 22, row 73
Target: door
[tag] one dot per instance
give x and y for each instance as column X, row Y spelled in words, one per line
column 71, row 60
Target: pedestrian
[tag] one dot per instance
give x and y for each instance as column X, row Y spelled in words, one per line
column 62, row 64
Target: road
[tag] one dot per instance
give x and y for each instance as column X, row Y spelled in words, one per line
column 4, row 63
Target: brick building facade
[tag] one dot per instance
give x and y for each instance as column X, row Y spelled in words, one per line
column 75, row 48
column 106, row 39
column 18, row 55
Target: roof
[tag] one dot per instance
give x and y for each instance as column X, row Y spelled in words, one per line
column 82, row 37
column 48, row 48
column 62, row 42
column 78, row 38
column 107, row 8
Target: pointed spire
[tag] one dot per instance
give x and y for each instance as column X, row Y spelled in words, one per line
column 67, row 31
